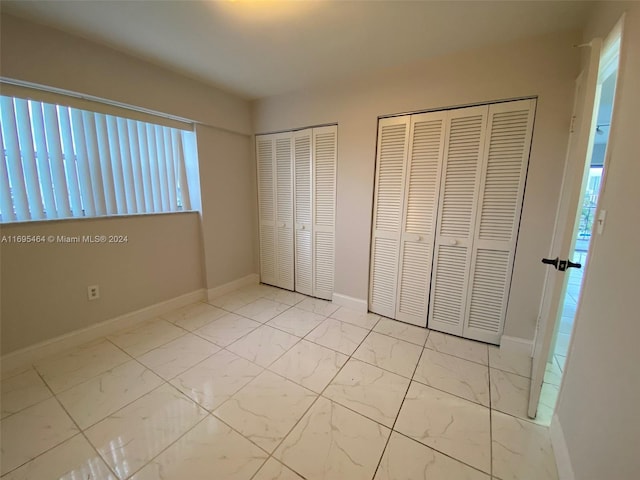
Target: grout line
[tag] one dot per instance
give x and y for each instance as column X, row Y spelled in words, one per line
column 393, row 427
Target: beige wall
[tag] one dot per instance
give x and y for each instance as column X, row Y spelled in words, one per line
column 545, row 66
column 44, row 286
column 598, row 407
column 228, row 190
column 42, row 55
column 46, row 56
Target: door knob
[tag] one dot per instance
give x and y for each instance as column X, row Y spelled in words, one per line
column 561, row 265
column 453, row 242
column 550, row 261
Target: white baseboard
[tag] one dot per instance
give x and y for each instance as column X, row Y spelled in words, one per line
column 251, row 279
column 357, row 304
column 516, row 345
column 560, row 450
column 25, row 357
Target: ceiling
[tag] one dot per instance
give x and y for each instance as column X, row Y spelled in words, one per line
column 261, row 48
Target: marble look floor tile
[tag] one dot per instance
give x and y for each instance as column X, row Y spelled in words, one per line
column 274, row 470
column 310, row 365
column 547, row 404
column 72, row 460
column 297, row 322
column 454, row 375
column 227, row 329
column 332, row 442
column 175, row 357
column 521, row 450
column 33, row 431
column 147, row 336
column 211, row 446
column 266, row 409
column 22, row 391
column 78, row 365
column 405, row 459
column 130, row 437
column 338, row 335
column 369, row 390
column 458, row 347
column 94, row 399
column 264, row 345
column 552, row 373
column 284, row 296
column 509, row 393
column 213, row 381
column 364, row 320
column 317, row 305
column 511, row 362
column 262, row 310
column 402, row 331
column 194, row 316
column 454, row 426
column 389, row 353
column 235, row 300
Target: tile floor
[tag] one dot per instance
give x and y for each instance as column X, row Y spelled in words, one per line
column 268, row 384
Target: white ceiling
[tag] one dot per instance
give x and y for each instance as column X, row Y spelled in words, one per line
column 261, row 48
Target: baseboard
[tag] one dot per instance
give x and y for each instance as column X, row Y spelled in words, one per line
column 560, row 450
column 357, row 304
column 516, row 345
column 25, row 357
column 215, row 292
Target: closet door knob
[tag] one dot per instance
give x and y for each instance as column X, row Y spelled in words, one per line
column 453, row 242
column 418, row 238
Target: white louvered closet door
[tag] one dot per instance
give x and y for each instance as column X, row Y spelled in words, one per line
column 393, row 135
column 501, row 192
column 456, row 218
column 426, row 144
column 284, row 211
column 324, row 161
column 267, row 207
column 303, row 212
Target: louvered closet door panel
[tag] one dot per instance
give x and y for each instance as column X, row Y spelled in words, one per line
column 284, row 211
column 505, row 161
column 456, row 218
column 426, row 145
column 325, row 151
column 303, row 214
column 266, row 207
column 393, row 135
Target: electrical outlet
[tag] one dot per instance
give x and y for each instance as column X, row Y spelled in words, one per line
column 93, row 292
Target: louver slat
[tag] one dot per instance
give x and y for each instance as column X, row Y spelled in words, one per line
column 266, row 209
column 500, row 202
column 389, row 193
column 284, row 211
column 426, row 144
column 325, row 150
column 303, row 205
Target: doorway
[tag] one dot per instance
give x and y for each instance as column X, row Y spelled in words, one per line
column 575, row 226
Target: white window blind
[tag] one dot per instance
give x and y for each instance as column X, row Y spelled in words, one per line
column 64, row 162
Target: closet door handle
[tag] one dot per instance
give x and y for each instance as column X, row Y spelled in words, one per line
column 453, row 241
column 418, row 238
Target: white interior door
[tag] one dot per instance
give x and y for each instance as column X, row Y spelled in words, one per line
column 464, row 151
column 324, row 167
column 422, row 172
column 303, row 210
column 577, row 154
column 284, row 210
column 504, row 168
column 266, row 207
column 393, row 136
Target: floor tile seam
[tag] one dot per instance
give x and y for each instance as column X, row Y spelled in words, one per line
column 393, row 426
column 453, row 355
column 453, row 394
column 22, row 409
column 448, row 455
column 81, row 431
column 318, row 396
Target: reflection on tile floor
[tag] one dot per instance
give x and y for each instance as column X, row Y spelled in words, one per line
column 269, row 384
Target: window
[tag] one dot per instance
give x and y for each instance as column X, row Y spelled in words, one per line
column 65, row 162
